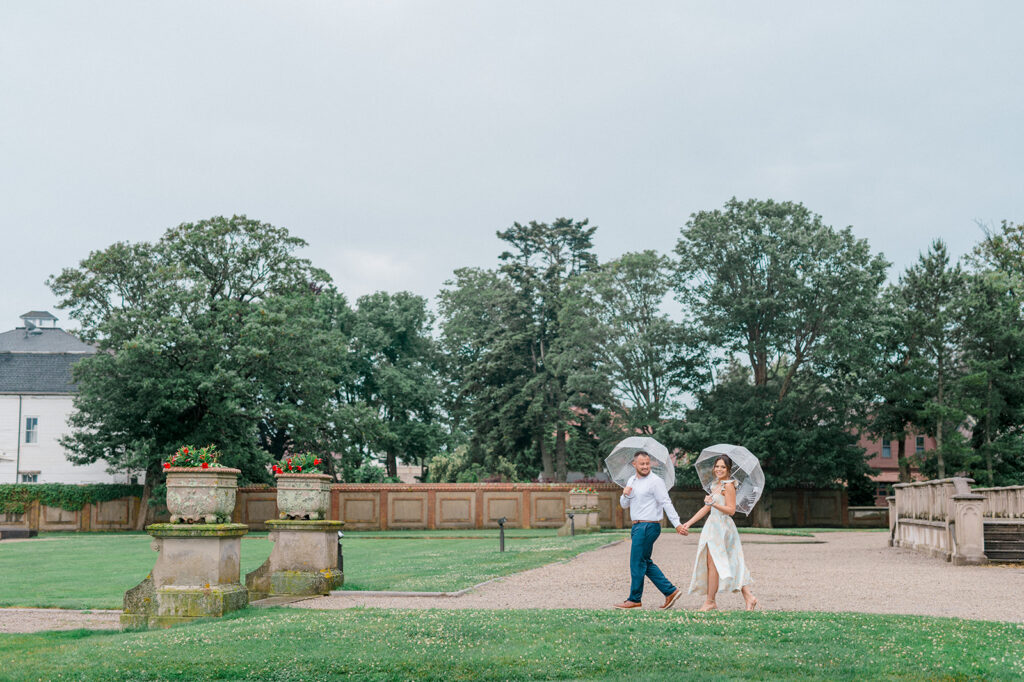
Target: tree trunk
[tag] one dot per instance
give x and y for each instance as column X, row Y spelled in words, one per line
column 939, row 459
column 901, row 460
column 391, row 464
column 561, row 468
column 145, row 508
column 988, row 437
column 547, row 468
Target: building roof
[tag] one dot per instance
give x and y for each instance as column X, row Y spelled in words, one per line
column 48, row 373
column 38, row 315
column 42, row 340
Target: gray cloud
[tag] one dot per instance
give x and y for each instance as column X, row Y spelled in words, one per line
column 396, row 137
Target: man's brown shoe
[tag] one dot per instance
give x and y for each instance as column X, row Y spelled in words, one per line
column 671, row 599
column 629, row 605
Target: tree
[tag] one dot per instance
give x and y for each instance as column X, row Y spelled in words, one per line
column 896, row 392
column 991, row 340
column 771, row 283
column 929, row 294
column 627, row 355
column 502, row 328
column 216, row 333
column 396, row 378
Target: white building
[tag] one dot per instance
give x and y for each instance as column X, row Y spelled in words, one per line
column 36, row 393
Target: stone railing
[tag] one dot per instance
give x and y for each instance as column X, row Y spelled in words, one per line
column 942, row 517
column 1003, row 503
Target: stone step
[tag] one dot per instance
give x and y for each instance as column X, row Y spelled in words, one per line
column 1004, row 533
column 1005, row 557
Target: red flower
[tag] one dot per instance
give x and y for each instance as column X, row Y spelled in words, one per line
column 289, row 467
column 300, row 468
column 167, row 465
column 206, row 465
column 316, row 462
column 185, row 450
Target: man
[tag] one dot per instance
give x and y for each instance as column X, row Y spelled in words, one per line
column 646, row 498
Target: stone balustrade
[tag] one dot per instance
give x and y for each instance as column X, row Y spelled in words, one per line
column 942, row 517
column 1003, row 503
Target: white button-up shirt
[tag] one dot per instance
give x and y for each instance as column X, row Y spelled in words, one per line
column 648, row 500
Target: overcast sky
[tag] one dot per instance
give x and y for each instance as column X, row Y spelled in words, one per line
column 397, row 137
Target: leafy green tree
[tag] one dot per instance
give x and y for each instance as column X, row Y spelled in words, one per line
column 502, row 329
column 771, row 283
column 395, row 384
column 929, row 296
column 991, row 341
column 216, row 333
column 647, row 357
column 896, row 390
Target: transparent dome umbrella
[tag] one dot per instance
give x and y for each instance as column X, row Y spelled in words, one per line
column 619, row 464
column 745, row 469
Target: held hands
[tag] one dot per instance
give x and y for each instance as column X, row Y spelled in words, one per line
column 682, row 529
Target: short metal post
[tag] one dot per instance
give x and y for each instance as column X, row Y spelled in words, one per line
column 572, row 525
column 501, row 534
column 341, row 558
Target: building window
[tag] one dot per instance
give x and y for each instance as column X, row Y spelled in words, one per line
column 883, row 490
column 30, row 478
column 31, row 429
column 919, row 444
column 887, row 448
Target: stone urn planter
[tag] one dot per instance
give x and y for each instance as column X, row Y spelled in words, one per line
column 303, row 496
column 196, row 495
column 584, row 513
column 582, row 500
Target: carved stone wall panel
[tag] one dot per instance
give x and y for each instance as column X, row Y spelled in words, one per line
column 497, row 505
column 548, row 510
column 407, row 510
column 455, row 510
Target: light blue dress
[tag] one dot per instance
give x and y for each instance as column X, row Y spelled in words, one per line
column 720, row 537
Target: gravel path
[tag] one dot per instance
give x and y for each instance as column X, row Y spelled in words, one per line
column 832, row 572
column 34, row 620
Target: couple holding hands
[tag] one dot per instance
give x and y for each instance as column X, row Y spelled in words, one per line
column 719, row 566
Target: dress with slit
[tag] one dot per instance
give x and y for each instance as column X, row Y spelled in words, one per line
column 720, row 537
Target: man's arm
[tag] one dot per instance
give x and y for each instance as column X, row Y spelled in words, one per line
column 627, row 493
column 665, row 503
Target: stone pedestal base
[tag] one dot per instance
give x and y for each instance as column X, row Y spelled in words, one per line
column 585, row 520
column 196, row 576
column 304, row 560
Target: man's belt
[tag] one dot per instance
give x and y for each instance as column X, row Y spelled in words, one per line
column 636, row 522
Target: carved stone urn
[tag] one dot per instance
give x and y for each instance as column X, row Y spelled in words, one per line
column 196, row 495
column 303, row 496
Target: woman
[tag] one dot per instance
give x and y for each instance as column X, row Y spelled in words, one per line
column 720, row 565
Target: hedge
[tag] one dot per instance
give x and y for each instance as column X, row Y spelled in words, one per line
column 15, row 498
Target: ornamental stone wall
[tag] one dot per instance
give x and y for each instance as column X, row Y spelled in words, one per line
column 429, row 506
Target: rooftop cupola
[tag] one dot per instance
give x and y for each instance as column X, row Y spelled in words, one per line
column 39, row 319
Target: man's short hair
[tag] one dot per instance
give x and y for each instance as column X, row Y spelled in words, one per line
column 640, row 453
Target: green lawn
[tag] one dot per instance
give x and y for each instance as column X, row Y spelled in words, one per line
column 377, row 644
column 91, row 570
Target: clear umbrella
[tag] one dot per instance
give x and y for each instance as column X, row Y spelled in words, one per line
column 746, row 470
column 619, row 464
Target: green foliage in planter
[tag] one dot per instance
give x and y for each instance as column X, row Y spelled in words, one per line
column 15, row 498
